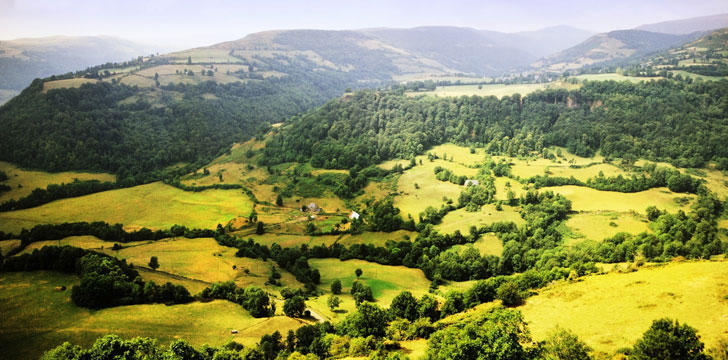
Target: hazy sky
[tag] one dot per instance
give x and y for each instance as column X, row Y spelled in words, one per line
column 186, row 23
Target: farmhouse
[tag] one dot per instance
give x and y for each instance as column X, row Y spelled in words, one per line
column 472, row 182
column 312, row 207
column 353, row 215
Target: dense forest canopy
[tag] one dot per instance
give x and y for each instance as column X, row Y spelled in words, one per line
column 658, row 120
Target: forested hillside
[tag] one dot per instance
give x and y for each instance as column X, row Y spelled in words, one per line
column 137, row 132
column 661, row 121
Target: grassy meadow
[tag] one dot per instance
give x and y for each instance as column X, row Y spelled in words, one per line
column 430, row 192
column 386, row 282
column 612, row 76
column 462, row 220
column 36, row 317
column 614, row 310
column 22, row 181
column 156, row 206
column 600, row 225
column 201, row 259
column 497, row 90
column 587, row 199
column 488, row 244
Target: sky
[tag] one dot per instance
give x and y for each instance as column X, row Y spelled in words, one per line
column 185, row 23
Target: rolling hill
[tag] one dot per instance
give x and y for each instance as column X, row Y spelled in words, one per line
column 611, row 48
column 23, row 60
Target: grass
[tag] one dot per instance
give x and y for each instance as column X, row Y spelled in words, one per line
column 201, row 259
column 36, row 318
column 31, row 179
column 586, row 199
column 497, row 90
column 156, row 206
column 686, row 74
column 8, row 245
column 612, row 76
column 459, row 154
column 66, row 83
column 502, row 188
column 386, row 282
column 462, row 220
column 431, row 191
column 488, row 244
column 294, row 240
column 600, row 225
column 84, row 242
column 538, row 167
column 614, row 310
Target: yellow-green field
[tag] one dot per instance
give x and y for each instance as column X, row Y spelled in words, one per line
column 201, row 259
column 31, row 179
column 34, row 318
column 8, row 245
column 386, row 282
column 686, row 74
column 488, row 244
column 614, row 310
column 539, row 167
column 612, row 76
column 504, row 184
column 293, row 240
column 156, row 206
column 497, row 90
column 431, row 191
column 84, row 242
column 458, row 154
column 66, row 83
column 587, row 199
column 462, row 220
column 600, row 225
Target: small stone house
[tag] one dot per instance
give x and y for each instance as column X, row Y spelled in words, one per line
column 353, row 215
column 472, row 182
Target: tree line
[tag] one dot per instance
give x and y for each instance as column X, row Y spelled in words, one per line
column 619, row 119
column 105, row 280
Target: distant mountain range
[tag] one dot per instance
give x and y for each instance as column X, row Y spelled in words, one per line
column 375, row 54
column 616, row 47
column 687, row 26
column 23, row 60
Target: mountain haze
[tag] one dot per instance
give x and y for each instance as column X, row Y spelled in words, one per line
column 687, row 26
column 23, row 60
column 612, row 47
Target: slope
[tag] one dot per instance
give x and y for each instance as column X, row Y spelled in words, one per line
column 611, row 48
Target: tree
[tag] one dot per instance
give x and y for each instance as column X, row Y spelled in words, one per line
column 498, row 334
column 279, row 200
column 564, row 345
column 260, row 228
column 369, row 319
column 428, row 308
column 336, row 287
column 358, row 273
column 333, row 302
column 361, row 293
column 154, row 263
column 294, row 306
column 404, row 306
column 669, row 340
column 257, row 302
column 509, row 294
